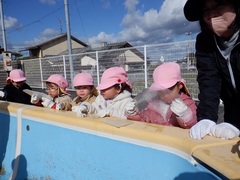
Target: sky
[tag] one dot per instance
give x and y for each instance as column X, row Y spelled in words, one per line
column 139, row 22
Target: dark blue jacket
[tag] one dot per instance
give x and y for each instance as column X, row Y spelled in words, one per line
column 215, row 82
column 14, row 94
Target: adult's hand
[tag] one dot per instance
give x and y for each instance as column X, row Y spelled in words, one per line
column 224, row 131
column 201, row 129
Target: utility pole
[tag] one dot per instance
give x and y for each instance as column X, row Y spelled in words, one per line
column 188, row 46
column 69, row 38
column 3, row 27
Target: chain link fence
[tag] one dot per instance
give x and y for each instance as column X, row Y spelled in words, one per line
column 139, row 62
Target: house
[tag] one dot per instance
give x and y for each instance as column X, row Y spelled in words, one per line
column 115, row 54
column 54, row 46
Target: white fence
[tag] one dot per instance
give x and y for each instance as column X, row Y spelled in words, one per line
column 139, row 62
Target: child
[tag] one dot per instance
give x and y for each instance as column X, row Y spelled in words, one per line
column 85, row 90
column 115, row 89
column 173, row 105
column 56, row 86
column 13, row 91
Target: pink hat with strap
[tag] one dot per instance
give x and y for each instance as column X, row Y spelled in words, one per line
column 167, row 75
column 83, row 79
column 112, row 76
column 59, row 80
column 16, row 75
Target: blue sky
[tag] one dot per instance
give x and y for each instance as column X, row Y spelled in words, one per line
column 140, row 22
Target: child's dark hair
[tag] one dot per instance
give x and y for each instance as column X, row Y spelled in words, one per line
column 123, row 87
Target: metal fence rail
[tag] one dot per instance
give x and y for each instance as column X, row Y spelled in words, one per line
column 139, row 62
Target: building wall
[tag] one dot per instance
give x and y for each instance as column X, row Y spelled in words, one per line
column 58, row 46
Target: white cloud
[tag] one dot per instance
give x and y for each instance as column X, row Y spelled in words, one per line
column 153, row 26
column 49, row 32
column 44, row 36
column 105, row 4
column 49, row 2
column 10, row 23
column 101, row 37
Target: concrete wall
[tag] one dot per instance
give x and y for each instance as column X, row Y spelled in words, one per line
column 40, row 143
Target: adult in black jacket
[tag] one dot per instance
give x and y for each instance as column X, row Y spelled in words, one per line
column 218, row 65
column 13, row 91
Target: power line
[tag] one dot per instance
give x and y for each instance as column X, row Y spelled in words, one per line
column 36, row 21
column 80, row 20
column 6, row 4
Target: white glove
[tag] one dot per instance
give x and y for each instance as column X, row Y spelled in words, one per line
column 34, row 99
column 2, row 94
column 60, row 105
column 103, row 113
column 178, row 107
column 130, row 107
column 47, row 102
column 201, row 129
column 224, row 131
column 81, row 110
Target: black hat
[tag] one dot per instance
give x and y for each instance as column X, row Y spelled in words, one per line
column 193, row 9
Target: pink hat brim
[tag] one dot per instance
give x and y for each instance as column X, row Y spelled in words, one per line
column 106, row 85
column 156, row 87
column 8, row 80
column 163, row 86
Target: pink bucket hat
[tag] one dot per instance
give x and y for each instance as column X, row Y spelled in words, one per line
column 59, row 80
column 82, row 79
column 167, row 75
column 16, row 75
column 112, row 76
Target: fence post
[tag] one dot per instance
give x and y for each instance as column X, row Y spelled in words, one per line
column 64, row 67
column 65, row 72
column 145, row 65
column 98, row 78
column 41, row 73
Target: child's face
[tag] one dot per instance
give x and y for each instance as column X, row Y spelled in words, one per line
column 171, row 93
column 110, row 93
column 53, row 90
column 83, row 91
column 18, row 84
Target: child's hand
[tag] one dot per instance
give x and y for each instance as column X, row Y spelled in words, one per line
column 47, row 102
column 2, row 94
column 80, row 110
column 103, row 113
column 130, row 107
column 34, row 99
column 178, row 107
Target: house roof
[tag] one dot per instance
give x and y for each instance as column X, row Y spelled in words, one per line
column 55, row 38
column 105, row 55
column 101, row 47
